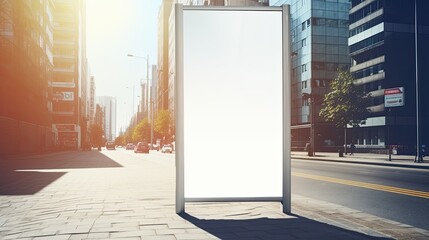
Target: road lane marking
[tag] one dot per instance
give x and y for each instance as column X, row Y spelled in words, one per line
column 404, row 191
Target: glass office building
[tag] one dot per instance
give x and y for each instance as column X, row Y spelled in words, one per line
column 383, row 53
column 320, row 30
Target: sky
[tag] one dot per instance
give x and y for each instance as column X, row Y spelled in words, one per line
column 116, row 28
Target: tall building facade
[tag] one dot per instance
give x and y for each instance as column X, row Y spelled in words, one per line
column 319, row 31
column 163, row 37
column 69, row 78
column 91, row 104
column 383, row 52
column 108, row 109
column 26, row 64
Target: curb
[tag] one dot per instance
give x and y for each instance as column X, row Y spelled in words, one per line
column 360, row 162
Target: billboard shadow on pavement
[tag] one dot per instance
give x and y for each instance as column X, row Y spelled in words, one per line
column 294, row 227
column 27, row 175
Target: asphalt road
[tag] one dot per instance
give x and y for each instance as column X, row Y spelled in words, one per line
column 393, row 193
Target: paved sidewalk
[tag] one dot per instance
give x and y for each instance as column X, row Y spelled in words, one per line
column 365, row 158
column 103, row 195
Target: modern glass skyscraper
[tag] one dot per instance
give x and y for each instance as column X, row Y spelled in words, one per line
column 319, row 30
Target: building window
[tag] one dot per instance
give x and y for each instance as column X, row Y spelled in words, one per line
column 304, row 68
column 305, row 24
column 305, row 102
column 304, row 42
column 303, row 84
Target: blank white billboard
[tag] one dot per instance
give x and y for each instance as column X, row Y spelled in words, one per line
column 231, row 104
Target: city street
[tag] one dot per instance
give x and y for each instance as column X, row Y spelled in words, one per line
column 117, row 194
column 399, row 194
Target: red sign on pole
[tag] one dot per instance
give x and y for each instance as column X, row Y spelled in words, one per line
column 394, row 97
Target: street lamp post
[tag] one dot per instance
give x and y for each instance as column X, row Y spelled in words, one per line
column 419, row 157
column 148, row 100
column 311, row 100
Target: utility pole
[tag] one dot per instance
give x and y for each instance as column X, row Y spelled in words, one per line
column 419, row 157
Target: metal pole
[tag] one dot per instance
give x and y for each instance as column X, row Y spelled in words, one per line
column 388, row 135
column 312, row 101
column 132, row 108
column 147, row 87
column 151, row 121
column 418, row 153
column 179, row 103
column 287, row 70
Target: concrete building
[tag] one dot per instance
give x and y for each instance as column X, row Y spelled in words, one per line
column 69, row 73
column 383, row 51
column 91, row 102
column 319, row 32
column 108, row 108
column 154, row 92
column 26, row 63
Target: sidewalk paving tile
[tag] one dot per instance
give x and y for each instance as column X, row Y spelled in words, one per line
column 134, row 199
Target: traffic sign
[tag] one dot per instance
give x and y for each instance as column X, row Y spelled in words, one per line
column 394, row 97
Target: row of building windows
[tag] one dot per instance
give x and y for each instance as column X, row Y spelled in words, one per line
column 369, row 71
column 367, row 42
column 365, row 11
column 329, row 22
column 316, row 83
column 366, row 26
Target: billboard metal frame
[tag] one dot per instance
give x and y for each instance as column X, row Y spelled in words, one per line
column 179, row 106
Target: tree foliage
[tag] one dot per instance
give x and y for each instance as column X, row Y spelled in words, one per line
column 96, row 135
column 345, row 103
column 141, row 131
column 120, row 140
column 162, row 123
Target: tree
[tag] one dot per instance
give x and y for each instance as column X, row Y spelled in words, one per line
column 345, row 103
column 162, row 123
column 96, row 135
column 141, row 131
column 128, row 135
column 120, row 140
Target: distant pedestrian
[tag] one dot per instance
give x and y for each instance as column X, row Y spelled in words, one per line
column 352, row 148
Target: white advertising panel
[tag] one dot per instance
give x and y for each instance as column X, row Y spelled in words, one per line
column 230, row 127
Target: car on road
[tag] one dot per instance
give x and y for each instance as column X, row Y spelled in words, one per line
column 167, row 148
column 129, row 146
column 141, row 147
column 110, row 145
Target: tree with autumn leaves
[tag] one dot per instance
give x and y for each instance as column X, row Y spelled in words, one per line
column 162, row 127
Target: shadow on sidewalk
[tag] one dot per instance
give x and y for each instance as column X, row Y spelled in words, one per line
column 25, row 176
column 296, row 227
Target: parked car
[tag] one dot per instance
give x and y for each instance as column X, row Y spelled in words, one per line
column 156, row 147
column 142, row 147
column 110, row 145
column 167, row 148
column 129, row 146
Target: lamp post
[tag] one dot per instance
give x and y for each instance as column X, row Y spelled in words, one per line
column 311, row 100
column 147, row 95
column 419, row 156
